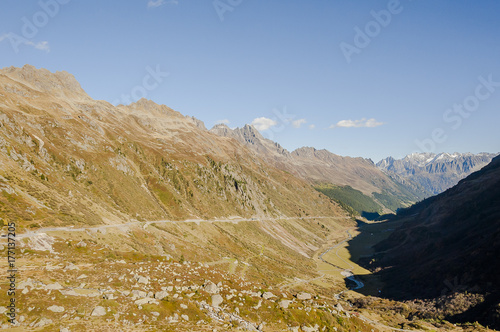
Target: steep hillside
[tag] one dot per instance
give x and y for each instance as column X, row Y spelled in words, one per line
column 434, row 173
column 187, row 230
column 448, row 251
column 322, row 167
column 68, row 159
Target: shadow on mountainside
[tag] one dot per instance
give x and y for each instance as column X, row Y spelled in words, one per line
column 425, row 287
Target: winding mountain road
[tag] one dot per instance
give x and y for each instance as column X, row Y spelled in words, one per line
column 145, row 224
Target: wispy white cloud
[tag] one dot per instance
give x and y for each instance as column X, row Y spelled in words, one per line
column 298, row 123
column 16, row 40
column 158, row 3
column 224, row 121
column 363, row 123
column 263, row 123
column 311, row 126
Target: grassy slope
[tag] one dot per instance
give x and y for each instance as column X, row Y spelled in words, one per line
column 351, row 199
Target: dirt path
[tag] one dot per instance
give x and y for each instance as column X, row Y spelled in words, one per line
column 147, row 223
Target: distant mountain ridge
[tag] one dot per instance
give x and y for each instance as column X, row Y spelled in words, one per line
column 434, row 172
column 323, row 167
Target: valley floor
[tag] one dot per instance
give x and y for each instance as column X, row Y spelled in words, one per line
column 284, row 274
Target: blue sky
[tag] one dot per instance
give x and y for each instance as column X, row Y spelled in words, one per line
column 359, row 78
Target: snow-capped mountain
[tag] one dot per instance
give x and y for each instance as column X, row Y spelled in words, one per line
column 435, row 172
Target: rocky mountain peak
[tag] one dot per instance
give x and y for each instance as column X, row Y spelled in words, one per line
column 221, row 129
column 250, row 132
column 198, row 123
column 60, row 82
column 304, row 151
column 148, row 107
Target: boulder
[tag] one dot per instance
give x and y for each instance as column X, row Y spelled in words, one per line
column 268, row 295
column 211, row 288
column 304, row 296
column 55, row 308
column 309, row 329
column 42, row 322
column 285, row 303
column 141, row 279
column 98, row 311
column 216, row 300
column 54, row 286
column 161, row 295
column 138, row 294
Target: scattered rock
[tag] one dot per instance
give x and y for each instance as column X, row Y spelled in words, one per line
column 304, row 296
column 98, row 311
column 42, row 322
column 161, row 295
column 138, row 294
column 26, row 283
column 55, row 286
column 81, row 244
column 285, row 303
column 141, row 279
column 310, row 329
column 211, row 288
column 173, row 319
column 185, row 317
column 268, row 295
column 71, row 266
column 42, row 242
column 55, row 308
column 147, row 300
column 216, row 300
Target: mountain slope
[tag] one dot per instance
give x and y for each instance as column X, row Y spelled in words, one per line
column 323, row 167
column 150, row 199
column 66, row 158
column 434, row 172
column 450, row 246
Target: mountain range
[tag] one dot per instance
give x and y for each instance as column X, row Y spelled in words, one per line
column 140, row 146
column 66, row 158
column 324, row 169
column 218, row 228
column 434, row 173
